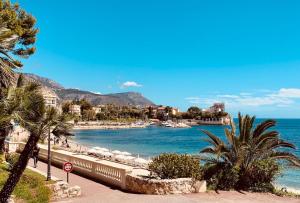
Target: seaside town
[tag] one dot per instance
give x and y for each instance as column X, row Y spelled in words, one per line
column 152, row 140
column 89, row 116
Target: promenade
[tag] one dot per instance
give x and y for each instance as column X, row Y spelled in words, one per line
column 94, row 192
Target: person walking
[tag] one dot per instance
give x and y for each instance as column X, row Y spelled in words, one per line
column 35, row 155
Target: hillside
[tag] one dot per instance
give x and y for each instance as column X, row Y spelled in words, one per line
column 64, row 94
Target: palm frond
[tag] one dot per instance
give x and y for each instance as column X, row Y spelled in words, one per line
column 213, row 137
column 262, row 127
column 294, row 160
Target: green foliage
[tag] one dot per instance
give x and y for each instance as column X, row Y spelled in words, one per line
column 31, row 187
column 85, row 105
column 2, row 157
column 220, row 176
column 66, row 107
column 17, row 36
column 260, row 176
column 117, row 113
column 170, row 166
column 194, row 112
column 12, row 159
column 252, row 158
column 88, row 115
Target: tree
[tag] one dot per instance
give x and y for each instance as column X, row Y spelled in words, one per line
column 8, row 105
column 66, row 107
column 194, row 111
column 17, row 36
column 30, row 112
column 85, row 105
column 246, row 150
column 30, row 109
column 88, row 115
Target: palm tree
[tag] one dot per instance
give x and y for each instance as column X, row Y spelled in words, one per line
column 30, row 112
column 9, row 103
column 250, row 145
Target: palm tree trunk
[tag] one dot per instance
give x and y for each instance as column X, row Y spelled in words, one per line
column 2, row 143
column 3, row 134
column 18, row 169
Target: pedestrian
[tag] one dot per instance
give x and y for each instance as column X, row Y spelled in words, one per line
column 35, row 155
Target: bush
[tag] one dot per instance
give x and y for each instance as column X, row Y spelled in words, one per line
column 2, row 158
column 171, row 166
column 220, row 176
column 12, row 159
column 260, row 176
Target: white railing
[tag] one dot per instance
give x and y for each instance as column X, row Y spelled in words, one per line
column 107, row 172
column 12, row 146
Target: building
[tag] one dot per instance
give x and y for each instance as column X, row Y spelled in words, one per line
column 98, row 109
column 217, row 107
column 174, row 111
column 50, row 98
column 75, row 109
column 163, row 111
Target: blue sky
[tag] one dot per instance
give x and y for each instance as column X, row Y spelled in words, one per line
column 179, row 53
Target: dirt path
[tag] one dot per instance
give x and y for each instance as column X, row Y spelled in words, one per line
column 93, row 192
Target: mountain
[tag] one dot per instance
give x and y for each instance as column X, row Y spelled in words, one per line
column 65, row 94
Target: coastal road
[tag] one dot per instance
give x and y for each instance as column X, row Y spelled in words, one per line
column 94, row 192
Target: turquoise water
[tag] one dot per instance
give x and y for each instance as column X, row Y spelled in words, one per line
column 152, row 141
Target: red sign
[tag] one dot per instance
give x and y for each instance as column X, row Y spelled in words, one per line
column 68, row 167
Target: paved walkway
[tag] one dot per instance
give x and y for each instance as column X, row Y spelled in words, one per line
column 93, row 192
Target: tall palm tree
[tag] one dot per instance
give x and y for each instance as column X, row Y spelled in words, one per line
column 9, row 104
column 31, row 114
column 249, row 145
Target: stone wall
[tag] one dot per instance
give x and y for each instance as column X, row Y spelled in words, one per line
column 62, row 190
column 143, row 185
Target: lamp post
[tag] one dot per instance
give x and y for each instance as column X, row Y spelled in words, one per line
column 49, row 158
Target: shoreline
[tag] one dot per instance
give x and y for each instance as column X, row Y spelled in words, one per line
column 74, row 145
column 106, row 127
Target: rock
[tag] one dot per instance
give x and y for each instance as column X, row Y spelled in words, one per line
column 62, row 190
column 161, row 187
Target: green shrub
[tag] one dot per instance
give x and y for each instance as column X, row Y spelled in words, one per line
column 12, row 159
column 171, row 166
column 220, row 176
column 2, row 157
column 259, row 176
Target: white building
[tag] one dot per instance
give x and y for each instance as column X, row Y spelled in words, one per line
column 51, row 99
column 98, row 108
column 75, row 109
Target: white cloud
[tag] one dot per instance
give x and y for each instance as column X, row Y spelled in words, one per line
column 130, row 84
column 96, row 92
column 283, row 97
column 263, row 101
column 245, row 94
column 231, row 96
column 289, row 92
column 193, row 100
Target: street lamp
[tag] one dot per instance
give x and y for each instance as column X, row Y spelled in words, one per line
column 49, row 158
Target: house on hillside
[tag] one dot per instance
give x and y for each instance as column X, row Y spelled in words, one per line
column 75, row 109
column 217, row 107
column 50, row 97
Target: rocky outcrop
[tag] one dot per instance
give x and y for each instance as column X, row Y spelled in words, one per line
column 143, row 185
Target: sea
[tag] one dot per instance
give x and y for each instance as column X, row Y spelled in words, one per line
column 154, row 140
